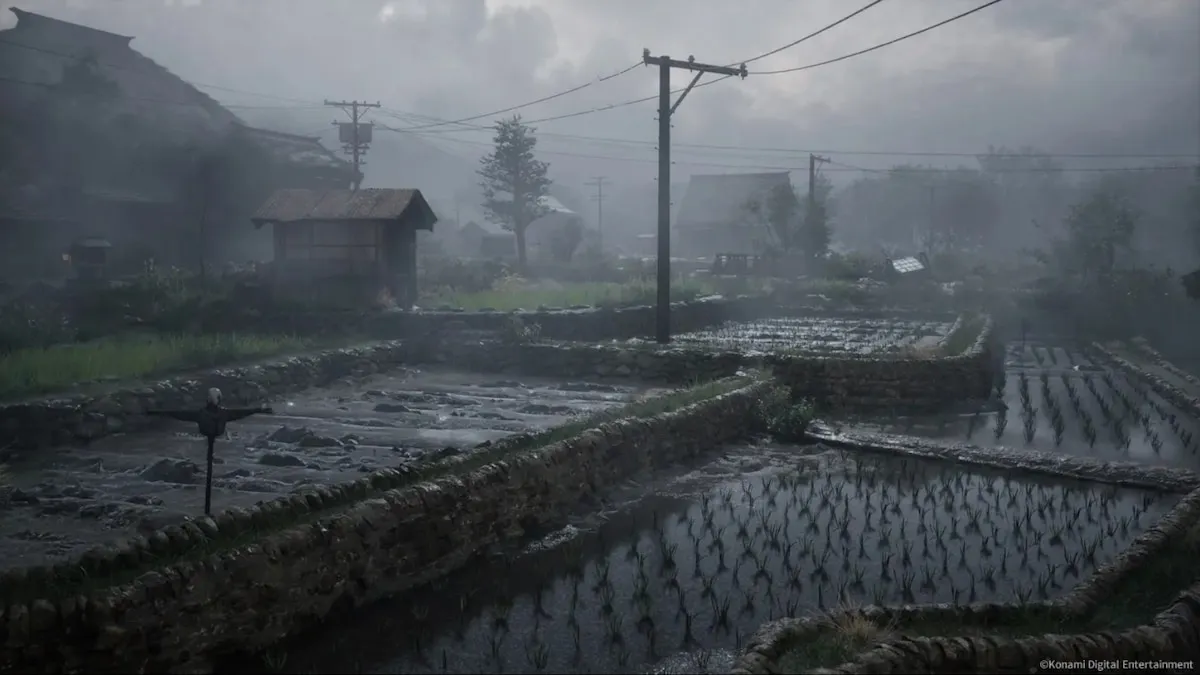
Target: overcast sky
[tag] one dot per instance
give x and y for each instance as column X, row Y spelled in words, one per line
column 1115, row 76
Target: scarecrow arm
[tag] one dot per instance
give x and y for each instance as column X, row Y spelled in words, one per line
column 234, row 414
column 181, row 415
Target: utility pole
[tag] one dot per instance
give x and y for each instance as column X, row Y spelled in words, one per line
column 354, row 135
column 813, row 162
column 598, row 181
column 665, row 110
column 929, row 239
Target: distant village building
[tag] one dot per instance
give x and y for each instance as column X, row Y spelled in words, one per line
column 715, row 216
column 347, row 244
column 97, row 140
column 491, row 241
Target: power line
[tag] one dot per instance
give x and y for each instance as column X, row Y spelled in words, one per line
column 622, row 104
column 807, row 151
column 881, row 45
column 543, row 99
column 838, row 166
column 813, row 34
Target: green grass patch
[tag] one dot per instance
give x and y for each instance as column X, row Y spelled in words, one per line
column 1134, row 602
column 513, row 295
column 28, row 372
column 73, row 579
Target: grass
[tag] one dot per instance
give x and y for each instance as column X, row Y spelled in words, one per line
column 27, row 372
column 75, row 579
column 513, row 293
column 1134, row 602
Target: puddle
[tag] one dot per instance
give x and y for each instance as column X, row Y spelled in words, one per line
column 1055, row 400
column 828, row 335
column 677, row 580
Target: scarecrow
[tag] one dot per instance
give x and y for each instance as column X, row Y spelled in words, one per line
column 211, row 421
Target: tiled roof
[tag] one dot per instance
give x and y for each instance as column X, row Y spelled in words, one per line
column 35, row 54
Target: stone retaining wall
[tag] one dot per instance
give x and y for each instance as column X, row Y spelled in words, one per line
column 585, row 324
column 1173, row 635
column 1144, row 346
column 1168, row 391
column 841, row 382
column 276, row 583
column 1127, row 474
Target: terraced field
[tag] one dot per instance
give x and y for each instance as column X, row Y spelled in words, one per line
column 71, row 498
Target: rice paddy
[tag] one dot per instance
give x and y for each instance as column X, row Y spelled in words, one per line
column 1056, row 400
column 698, row 567
column 830, row 336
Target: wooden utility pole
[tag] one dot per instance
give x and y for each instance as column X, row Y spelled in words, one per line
column 813, row 162
column 354, row 135
column 598, row 182
column 665, row 110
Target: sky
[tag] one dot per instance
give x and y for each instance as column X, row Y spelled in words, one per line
column 1064, row 76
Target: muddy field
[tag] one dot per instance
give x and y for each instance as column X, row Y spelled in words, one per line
column 68, row 499
column 682, row 570
column 821, row 335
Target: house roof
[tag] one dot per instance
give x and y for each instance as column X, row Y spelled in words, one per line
column 36, row 52
column 303, row 151
column 721, row 199
column 373, row 204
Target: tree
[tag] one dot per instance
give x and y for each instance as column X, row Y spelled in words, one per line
column 514, row 181
column 1099, row 230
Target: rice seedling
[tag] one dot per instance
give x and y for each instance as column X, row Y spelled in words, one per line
column 700, row 575
column 908, row 339
column 1090, row 413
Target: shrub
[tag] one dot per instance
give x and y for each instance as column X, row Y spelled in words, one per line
column 782, row 417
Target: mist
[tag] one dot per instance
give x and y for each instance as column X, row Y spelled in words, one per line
column 1074, row 77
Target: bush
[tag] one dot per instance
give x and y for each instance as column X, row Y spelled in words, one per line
column 782, row 417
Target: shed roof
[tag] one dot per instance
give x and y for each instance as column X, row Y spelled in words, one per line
column 292, row 204
column 721, row 199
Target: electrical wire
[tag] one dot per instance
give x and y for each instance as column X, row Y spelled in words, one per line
column 889, row 43
column 838, row 166
column 543, row 99
column 622, row 104
column 811, row 35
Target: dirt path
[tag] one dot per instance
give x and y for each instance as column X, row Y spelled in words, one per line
column 71, row 498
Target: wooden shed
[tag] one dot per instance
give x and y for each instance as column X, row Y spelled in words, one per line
column 341, row 244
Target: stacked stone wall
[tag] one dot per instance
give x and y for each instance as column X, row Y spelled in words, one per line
column 843, row 382
column 250, row 577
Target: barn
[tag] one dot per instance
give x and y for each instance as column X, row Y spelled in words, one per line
column 344, row 245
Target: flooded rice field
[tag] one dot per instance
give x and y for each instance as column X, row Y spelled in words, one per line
column 688, row 566
column 1056, row 400
column 821, row 335
column 68, row 499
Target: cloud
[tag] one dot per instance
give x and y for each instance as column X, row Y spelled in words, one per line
column 1067, row 76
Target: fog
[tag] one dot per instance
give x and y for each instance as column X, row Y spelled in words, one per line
column 1069, row 77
